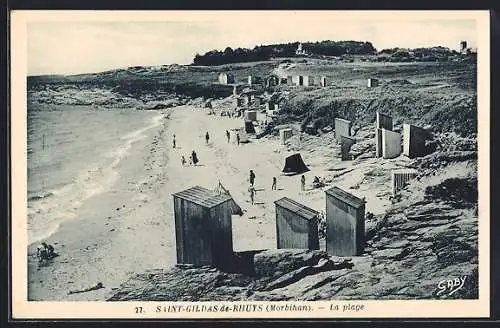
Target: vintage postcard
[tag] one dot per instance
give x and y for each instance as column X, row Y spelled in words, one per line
column 250, row 164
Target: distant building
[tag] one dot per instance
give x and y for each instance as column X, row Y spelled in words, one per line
column 372, row 83
column 322, row 81
column 463, row 47
column 300, row 51
column 226, row 78
column 272, row 80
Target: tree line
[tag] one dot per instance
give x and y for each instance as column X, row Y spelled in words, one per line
column 266, row 52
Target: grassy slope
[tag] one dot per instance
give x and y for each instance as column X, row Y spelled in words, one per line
column 417, row 93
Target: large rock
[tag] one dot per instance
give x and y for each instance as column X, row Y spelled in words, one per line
column 272, row 263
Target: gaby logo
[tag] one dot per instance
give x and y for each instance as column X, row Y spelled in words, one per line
column 451, row 286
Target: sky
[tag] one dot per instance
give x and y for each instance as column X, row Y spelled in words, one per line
column 69, row 43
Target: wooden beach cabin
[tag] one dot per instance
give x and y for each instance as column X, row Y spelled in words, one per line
column 285, row 134
column 203, row 229
column 345, row 219
column 296, row 225
column 342, row 128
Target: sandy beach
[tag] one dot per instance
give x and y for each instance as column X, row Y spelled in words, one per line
column 130, row 228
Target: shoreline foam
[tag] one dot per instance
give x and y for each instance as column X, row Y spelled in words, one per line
column 90, row 182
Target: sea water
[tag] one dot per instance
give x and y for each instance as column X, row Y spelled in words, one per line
column 73, row 153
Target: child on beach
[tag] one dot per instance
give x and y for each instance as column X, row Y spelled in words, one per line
column 303, row 183
column 227, row 136
column 174, row 141
column 183, row 160
column 207, row 137
column 273, row 187
column 238, row 138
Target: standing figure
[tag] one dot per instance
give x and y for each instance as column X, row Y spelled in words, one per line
column 183, row 160
column 303, row 183
column 207, row 137
column 251, row 189
column 194, row 158
column 238, row 138
column 252, row 178
column 273, row 187
column 227, row 136
column 174, row 141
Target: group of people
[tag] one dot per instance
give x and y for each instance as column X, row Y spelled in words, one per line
column 193, row 158
column 44, row 253
column 228, row 137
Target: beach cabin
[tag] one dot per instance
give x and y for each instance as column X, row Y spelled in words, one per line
column 296, row 225
column 285, row 134
column 322, row 81
column 250, row 115
column 345, row 220
column 400, row 178
column 306, row 81
column 382, row 122
column 249, row 127
column 371, row 83
column 226, row 78
column 345, row 147
column 203, row 229
column 414, row 141
column 272, row 81
column 342, row 128
column 391, row 144
column 270, row 105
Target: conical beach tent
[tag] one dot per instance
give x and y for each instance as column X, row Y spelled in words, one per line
column 294, row 165
column 249, row 128
column 236, row 209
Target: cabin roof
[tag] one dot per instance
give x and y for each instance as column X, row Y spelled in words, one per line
column 202, row 196
column 345, row 197
column 297, row 208
column 342, row 120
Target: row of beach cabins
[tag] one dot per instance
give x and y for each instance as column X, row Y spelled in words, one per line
column 293, row 80
column 203, row 226
column 203, row 216
column 274, row 80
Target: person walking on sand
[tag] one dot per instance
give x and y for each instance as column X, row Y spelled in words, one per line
column 273, row 187
column 174, row 141
column 303, row 183
column 183, row 160
column 238, row 139
column 251, row 190
column 252, row 178
column 194, row 158
column 207, row 137
column 227, row 136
